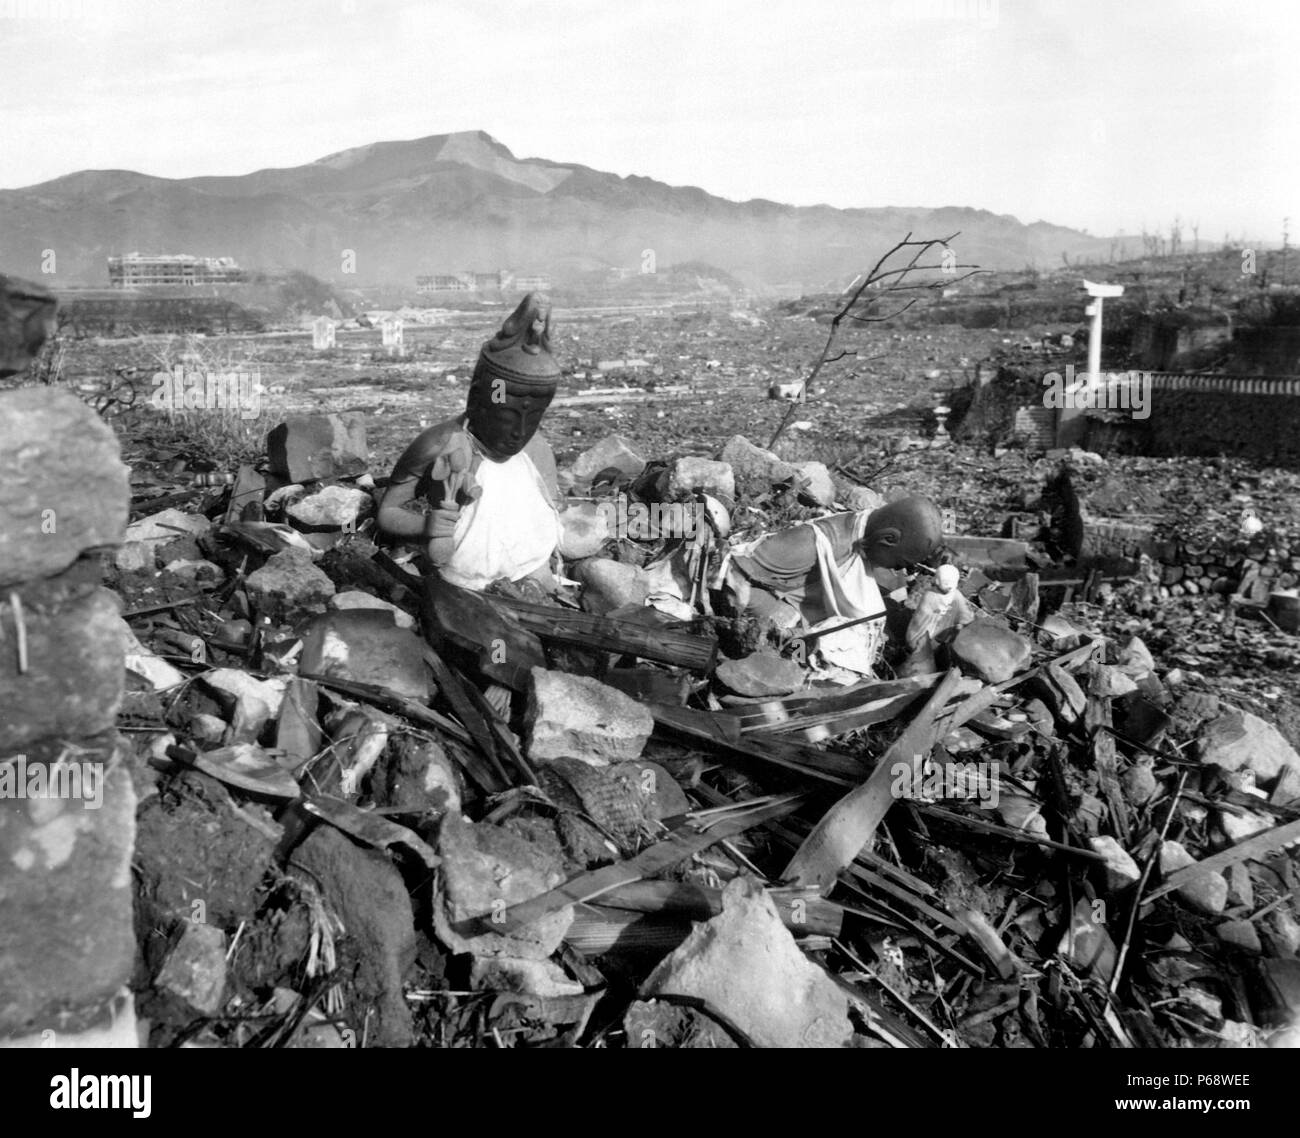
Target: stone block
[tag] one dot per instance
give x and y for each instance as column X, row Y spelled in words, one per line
column 63, row 486
column 332, row 507
column 990, row 651
column 67, row 940
column 288, row 586
column 366, row 647
column 75, row 673
column 691, row 474
column 308, row 448
column 611, row 452
column 579, row 717
column 755, row 470
column 746, row 965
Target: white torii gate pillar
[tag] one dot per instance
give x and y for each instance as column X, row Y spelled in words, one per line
column 1071, row 426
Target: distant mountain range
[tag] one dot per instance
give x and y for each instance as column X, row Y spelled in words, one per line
column 452, row 202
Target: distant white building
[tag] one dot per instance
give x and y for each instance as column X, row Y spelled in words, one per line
column 138, row 270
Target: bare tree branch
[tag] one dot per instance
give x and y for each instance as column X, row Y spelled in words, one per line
column 884, row 283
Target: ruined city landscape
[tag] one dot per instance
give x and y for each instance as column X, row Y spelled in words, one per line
column 905, row 656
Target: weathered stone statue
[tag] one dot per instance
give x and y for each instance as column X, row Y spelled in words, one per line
column 479, row 491
column 822, row 574
column 940, row 614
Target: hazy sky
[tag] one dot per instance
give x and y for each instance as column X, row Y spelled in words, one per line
column 1102, row 114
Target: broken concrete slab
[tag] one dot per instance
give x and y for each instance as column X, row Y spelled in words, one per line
column 365, row 646
column 990, row 651
column 308, row 448
column 744, row 964
column 581, row 718
column 63, row 486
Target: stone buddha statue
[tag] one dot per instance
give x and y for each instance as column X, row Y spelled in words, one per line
column 479, row 491
column 822, row 574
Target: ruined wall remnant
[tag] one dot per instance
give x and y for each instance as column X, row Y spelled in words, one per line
column 67, row 805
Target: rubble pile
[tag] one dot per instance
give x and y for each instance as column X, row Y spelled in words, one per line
column 379, row 810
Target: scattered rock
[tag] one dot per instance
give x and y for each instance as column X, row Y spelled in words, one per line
column 754, row 470
column 1121, row 870
column 584, row 528
column 761, row 674
column 612, row 451
column 701, row 474
column 365, row 646
column 1237, row 827
column 288, row 586
column 1208, row 893
column 351, row 599
column 1240, row 934
column 745, row 965
column 1239, row 739
column 608, row 585
column 820, row 490
column 1136, row 659
column 252, row 703
column 332, row 507
column 195, row 968
column 1139, row 782
column 579, row 717
column 366, row 892
column 990, row 651
column 858, row 498
column 486, row 869
column 308, row 448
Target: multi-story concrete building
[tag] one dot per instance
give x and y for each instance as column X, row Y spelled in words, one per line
column 137, row 270
column 503, row 280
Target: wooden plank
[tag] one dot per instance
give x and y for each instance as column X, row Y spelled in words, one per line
column 1255, row 847
column 691, row 837
column 665, row 644
column 850, row 824
column 835, row 767
column 505, row 650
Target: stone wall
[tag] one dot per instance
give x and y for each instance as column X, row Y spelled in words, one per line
column 67, row 804
column 1250, row 424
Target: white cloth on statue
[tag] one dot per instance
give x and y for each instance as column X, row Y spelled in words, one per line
column 849, row 591
column 509, row 531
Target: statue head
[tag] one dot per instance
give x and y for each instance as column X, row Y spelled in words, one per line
column 902, row 534
column 514, row 381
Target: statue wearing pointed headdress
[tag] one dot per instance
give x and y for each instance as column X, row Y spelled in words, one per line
column 479, row 491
